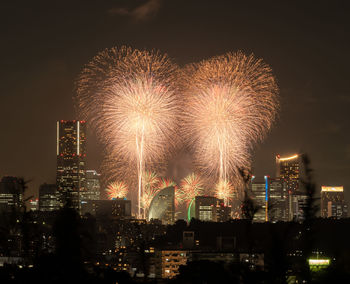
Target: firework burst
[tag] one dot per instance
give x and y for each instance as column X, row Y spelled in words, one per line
column 150, row 182
column 224, row 190
column 117, row 190
column 230, row 104
column 191, row 186
column 130, row 99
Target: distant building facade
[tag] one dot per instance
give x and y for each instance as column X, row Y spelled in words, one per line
column 210, row 208
column 116, row 208
column 48, row 197
column 271, row 197
column 277, row 200
column 288, row 168
column 162, row 206
column 71, row 155
column 259, row 189
column 92, row 186
column 333, row 204
column 168, row 262
column 11, row 193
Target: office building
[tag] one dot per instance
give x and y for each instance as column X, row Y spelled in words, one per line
column 210, row 208
column 11, row 193
column 48, row 197
column 288, row 169
column 163, row 206
column 277, row 200
column 259, row 189
column 332, row 202
column 71, row 155
column 92, row 186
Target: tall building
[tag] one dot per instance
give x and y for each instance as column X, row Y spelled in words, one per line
column 48, row 197
column 277, row 200
column 92, row 186
column 332, row 202
column 163, row 206
column 11, row 193
column 288, row 169
column 259, row 189
column 210, row 208
column 71, row 154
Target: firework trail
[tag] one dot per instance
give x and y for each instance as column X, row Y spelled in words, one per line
column 150, row 182
column 191, row 186
column 117, row 190
column 130, row 98
column 224, row 190
column 230, row 104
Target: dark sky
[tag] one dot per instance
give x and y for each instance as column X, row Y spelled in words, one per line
column 44, row 45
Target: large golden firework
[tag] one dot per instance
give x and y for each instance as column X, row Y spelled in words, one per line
column 130, row 98
column 230, row 103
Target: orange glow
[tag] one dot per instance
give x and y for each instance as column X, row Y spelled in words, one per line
column 332, row 188
column 288, row 158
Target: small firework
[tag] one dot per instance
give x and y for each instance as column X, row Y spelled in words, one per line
column 117, row 190
column 191, row 186
column 224, row 190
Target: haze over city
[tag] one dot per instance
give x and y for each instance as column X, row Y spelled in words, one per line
column 45, row 47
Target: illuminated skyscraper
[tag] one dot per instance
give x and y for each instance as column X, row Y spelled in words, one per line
column 332, row 202
column 259, row 189
column 277, row 200
column 288, row 169
column 71, row 154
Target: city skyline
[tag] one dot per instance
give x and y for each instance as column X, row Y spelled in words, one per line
column 312, row 119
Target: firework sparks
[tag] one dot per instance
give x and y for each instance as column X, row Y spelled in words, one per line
column 191, row 186
column 130, row 98
column 167, row 182
column 230, row 104
column 117, row 190
column 224, row 190
column 150, row 182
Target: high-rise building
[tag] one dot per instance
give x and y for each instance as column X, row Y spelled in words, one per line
column 210, row 208
column 48, row 197
column 71, row 154
column 163, row 206
column 259, row 189
column 332, row 202
column 277, row 200
column 288, row 169
column 92, row 186
column 11, row 193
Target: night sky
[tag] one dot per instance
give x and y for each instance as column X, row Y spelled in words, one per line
column 44, row 45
